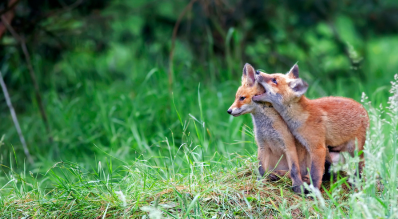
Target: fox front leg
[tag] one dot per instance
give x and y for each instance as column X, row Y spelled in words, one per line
column 294, row 167
column 263, row 157
column 318, row 156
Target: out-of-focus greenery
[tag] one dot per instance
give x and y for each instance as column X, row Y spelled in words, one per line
column 103, row 67
column 103, row 71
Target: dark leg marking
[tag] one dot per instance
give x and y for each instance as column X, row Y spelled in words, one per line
column 297, row 181
column 315, row 176
column 260, row 170
column 294, row 174
column 328, row 173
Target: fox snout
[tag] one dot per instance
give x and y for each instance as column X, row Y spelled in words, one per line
column 237, row 111
column 233, row 111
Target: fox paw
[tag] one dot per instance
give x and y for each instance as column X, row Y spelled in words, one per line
column 273, row 177
column 299, row 189
column 306, row 179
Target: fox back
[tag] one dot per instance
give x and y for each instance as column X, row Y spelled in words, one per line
column 342, row 117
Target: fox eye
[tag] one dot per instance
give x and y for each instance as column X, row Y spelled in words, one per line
column 274, row 80
column 242, row 98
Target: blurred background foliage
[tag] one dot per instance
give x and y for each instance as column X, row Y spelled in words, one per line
column 116, row 81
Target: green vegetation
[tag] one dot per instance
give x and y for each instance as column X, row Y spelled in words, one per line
column 128, row 143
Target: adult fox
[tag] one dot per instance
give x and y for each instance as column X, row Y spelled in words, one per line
column 272, row 135
column 336, row 122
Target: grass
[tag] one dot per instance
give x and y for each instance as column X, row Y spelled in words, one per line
column 206, row 189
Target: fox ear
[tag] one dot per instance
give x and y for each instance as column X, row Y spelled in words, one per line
column 248, row 75
column 299, row 86
column 294, row 72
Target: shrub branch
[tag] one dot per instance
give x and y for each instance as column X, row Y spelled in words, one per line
column 14, row 119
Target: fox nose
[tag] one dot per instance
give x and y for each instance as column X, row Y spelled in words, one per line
column 229, row 111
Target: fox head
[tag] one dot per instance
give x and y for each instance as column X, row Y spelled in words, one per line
column 281, row 88
column 243, row 103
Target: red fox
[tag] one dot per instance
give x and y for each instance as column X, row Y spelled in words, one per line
column 272, row 135
column 336, row 122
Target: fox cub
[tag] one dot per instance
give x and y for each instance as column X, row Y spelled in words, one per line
column 272, row 135
column 337, row 122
